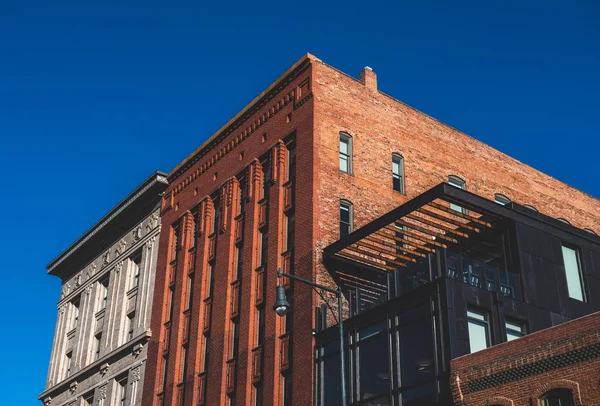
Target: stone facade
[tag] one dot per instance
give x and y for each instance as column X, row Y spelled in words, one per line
column 305, row 110
column 103, row 320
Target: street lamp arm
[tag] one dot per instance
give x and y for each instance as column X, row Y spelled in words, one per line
column 337, row 291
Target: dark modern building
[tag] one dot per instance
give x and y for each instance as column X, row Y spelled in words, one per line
column 446, row 274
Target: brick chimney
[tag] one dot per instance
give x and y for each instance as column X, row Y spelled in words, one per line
column 368, row 78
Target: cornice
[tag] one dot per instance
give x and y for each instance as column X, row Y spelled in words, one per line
column 236, row 122
column 157, row 177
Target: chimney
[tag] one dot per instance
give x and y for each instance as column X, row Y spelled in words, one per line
column 368, row 78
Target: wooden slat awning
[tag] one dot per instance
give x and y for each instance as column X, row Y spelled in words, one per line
column 441, row 217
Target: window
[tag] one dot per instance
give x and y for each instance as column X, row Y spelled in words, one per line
column 564, row 221
column 206, row 354
column 514, row 329
column 176, row 241
column 136, row 262
column 211, row 279
column 290, row 230
column 459, row 183
column 345, row 153
column 217, row 214
column 398, row 173
column 558, row 397
column 573, row 273
column 590, row 231
column 103, row 295
column 74, row 313
column 235, row 338
column 346, row 218
column 287, row 389
column 501, row 199
column 190, row 291
column 183, row 365
column 264, row 248
column 240, row 262
column 260, row 331
column 121, row 394
column 479, row 330
column 68, row 364
column 258, row 395
column 130, row 325
column 97, row 341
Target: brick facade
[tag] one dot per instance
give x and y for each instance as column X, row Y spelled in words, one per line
column 307, row 107
column 521, row 371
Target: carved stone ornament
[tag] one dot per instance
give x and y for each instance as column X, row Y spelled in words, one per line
column 62, row 309
column 91, row 270
column 137, row 233
column 150, row 243
column 136, row 374
column 88, row 289
column 102, row 392
column 104, row 368
column 153, row 220
column 66, row 290
column 73, row 387
column 106, row 258
column 137, row 349
column 78, row 279
column 48, row 401
column 119, row 267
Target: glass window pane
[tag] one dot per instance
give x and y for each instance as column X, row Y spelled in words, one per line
column 573, row 272
column 344, row 213
column 373, row 363
column 343, row 163
column 396, row 167
column 479, row 334
column 416, row 353
column 344, row 145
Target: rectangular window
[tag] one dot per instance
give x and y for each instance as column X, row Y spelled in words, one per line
column 345, row 219
column 267, row 177
column 217, row 214
column 68, row 364
column 136, row 263
column 398, row 173
column 479, row 330
column 514, row 329
column 74, row 313
column 183, row 364
column 211, row 279
column 175, row 242
column 235, row 338
column 165, row 364
column 97, row 346
column 459, row 183
column 130, row 325
column 103, row 293
column 206, row 354
column 290, row 231
column 190, row 291
column 121, row 391
column 573, row 273
column 258, row 395
column 264, row 248
column 240, row 262
column 345, row 153
column 260, row 332
column 170, row 303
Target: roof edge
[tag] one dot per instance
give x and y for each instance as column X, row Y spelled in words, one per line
column 273, row 85
column 156, row 177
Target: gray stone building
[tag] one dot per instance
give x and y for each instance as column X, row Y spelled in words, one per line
column 103, row 321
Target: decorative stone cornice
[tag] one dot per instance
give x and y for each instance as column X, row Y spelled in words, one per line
column 157, row 177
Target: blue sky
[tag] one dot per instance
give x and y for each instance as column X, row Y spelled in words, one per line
column 92, row 94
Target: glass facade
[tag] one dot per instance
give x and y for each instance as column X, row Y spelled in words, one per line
column 390, row 361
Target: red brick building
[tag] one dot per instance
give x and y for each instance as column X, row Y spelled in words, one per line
column 523, row 371
column 267, row 191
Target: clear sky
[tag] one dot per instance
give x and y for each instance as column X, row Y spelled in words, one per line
column 95, row 95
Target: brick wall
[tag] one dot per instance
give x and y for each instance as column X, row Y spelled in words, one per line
column 520, row 371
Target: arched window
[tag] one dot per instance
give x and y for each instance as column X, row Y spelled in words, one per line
column 501, row 199
column 531, row 208
column 459, row 183
column 398, row 172
column 564, row 221
column 346, row 218
column 589, row 230
column 558, row 397
column 345, row 152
